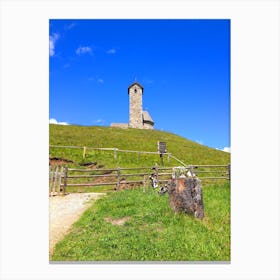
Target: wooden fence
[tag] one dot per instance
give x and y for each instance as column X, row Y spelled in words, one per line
column 56, row 174
column 114, row 150
column 63, row 177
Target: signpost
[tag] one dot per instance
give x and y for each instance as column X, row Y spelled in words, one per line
column 162, row 150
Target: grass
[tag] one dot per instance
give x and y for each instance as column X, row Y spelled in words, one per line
column 151, row 231
column 188, row 151
column 128, row 139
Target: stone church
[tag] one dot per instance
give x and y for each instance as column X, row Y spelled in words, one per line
column 137, row 117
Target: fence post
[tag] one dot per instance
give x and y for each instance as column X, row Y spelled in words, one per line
column 52, row 172
column 119, row 178
column 161, row 158
column 59, row 180
column 65, row 179
column 156, row 169
column 56, row 180
column 84, row 152
column 191, row 169
column 144, row 183
column 115, row 153
column 229, row 171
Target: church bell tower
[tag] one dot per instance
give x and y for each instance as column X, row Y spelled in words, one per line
column 135, row 92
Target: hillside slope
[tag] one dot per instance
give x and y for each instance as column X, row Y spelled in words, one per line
column 128, row 139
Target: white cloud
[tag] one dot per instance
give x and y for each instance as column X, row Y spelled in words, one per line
column 112, row 51
column 54, row 121
column 52, row 40
column 96, row 80
column 226, row 149
column 83, row 50
column 99, row 122
column 70, row 26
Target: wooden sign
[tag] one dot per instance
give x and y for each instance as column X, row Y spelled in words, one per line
column 162, row 147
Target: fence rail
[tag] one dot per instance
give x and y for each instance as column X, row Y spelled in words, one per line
column 115, row 150
column 63, row 177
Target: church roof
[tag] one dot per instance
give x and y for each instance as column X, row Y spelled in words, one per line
column 147, row 117
column 136, row 83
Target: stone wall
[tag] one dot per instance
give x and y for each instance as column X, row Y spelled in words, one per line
column 148, row 126
column 119, row 125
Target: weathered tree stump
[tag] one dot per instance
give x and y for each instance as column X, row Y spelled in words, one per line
column 185, row 195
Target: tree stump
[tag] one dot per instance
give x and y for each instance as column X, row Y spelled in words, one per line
column 185, row 195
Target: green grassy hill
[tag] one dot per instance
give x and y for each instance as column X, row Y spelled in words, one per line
column 152, row 230
column 128, row 139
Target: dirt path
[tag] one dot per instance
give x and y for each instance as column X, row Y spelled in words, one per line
column 64, row 211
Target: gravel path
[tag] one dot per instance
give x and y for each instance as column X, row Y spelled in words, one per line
column 64, row 211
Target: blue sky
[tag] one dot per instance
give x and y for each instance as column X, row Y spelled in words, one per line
column 183, row 65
